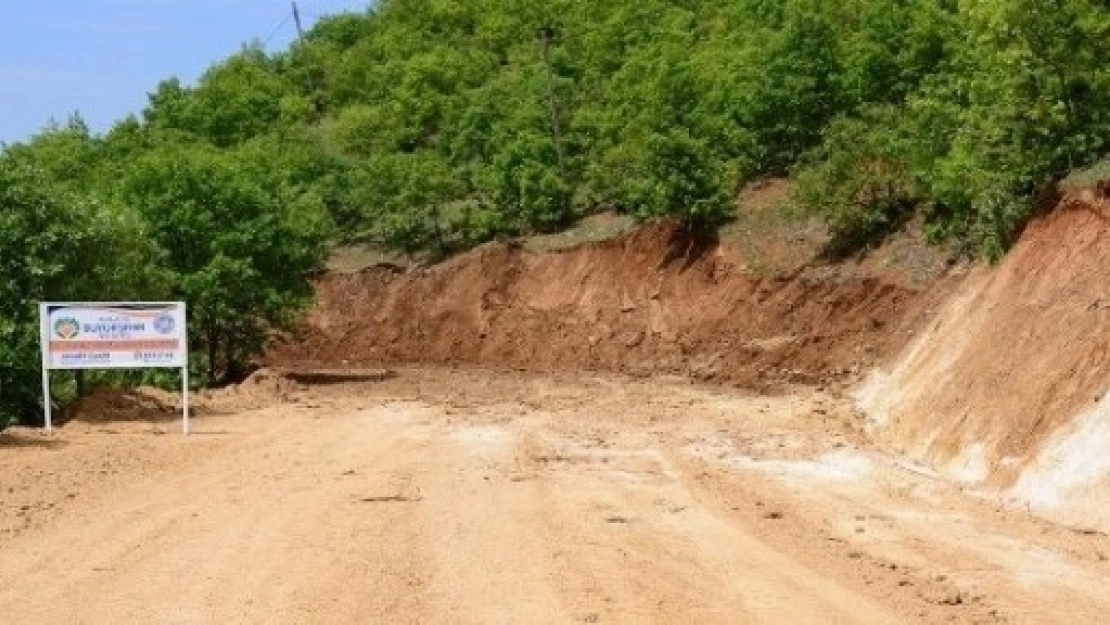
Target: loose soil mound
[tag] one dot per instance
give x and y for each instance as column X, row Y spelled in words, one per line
column 113, row 405
column 1009, row 385
column 260, row 388
column 649, row 302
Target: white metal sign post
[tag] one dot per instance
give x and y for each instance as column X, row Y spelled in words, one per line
column 114, row 335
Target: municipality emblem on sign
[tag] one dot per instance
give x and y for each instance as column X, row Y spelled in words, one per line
column 67, row 328
column 164, row 324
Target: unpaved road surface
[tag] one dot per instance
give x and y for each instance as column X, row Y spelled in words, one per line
column 442, row 496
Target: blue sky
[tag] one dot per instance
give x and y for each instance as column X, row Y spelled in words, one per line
column 101, row 57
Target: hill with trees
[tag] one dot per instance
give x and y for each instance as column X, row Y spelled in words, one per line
column 433, row 125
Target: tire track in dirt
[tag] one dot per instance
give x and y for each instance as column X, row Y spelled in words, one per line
column 495, row 497
column 637, row 546
column 267, row 530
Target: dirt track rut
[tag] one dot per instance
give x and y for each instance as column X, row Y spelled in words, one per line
column 479, row 497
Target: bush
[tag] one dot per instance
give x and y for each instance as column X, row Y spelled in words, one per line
column 242, row 255
column 861, row 181
column 56, row 246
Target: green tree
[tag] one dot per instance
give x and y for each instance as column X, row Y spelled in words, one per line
column 58, row 246
column 1023, row 102
column 861, row 179
column 242, row 254
column 235, row 100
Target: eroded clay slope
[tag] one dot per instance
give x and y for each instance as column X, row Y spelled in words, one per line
column 646, row 303
column 1008, row 387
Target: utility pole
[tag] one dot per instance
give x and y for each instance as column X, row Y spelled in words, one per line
column 313, row 87
column 297, row 21
column 556, row 132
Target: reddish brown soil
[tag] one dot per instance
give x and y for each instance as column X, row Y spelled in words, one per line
column 645, row 303
column 1017, row 360
column 110, row 405
column 340, row 493
column 457, row 496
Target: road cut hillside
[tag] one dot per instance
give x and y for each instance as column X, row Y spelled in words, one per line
column 1007, row 387
column 634, row 431
column 995, row 376
column 648, row 303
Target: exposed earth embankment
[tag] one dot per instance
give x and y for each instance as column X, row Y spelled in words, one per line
column 1008, row 386
column 645, row 303
column 996, row 376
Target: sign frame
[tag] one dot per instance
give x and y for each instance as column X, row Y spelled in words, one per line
column 178, row 310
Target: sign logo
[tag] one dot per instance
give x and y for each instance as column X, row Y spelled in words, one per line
column 164, row 324
column 67, row 328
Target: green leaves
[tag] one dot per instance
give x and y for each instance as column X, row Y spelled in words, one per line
column 242, row 252
column 238, row 99
column 861, row 179
column 57, row 245
column 993, row 103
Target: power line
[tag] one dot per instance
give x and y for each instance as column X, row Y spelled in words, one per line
column 276, row 30
column 311, row 78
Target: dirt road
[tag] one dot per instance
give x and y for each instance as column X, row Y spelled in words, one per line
column 444, row 496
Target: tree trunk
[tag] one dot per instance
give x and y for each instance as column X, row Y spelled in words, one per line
column 79, row 380
column 213, row 353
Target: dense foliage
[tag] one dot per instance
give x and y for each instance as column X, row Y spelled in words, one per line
column 433, row 125
column 454, row 122
column 53, row 243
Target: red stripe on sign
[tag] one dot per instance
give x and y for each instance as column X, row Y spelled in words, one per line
column 114, row 346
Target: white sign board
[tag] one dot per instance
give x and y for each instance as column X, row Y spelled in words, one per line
column 114, row 336
column 124, row 335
